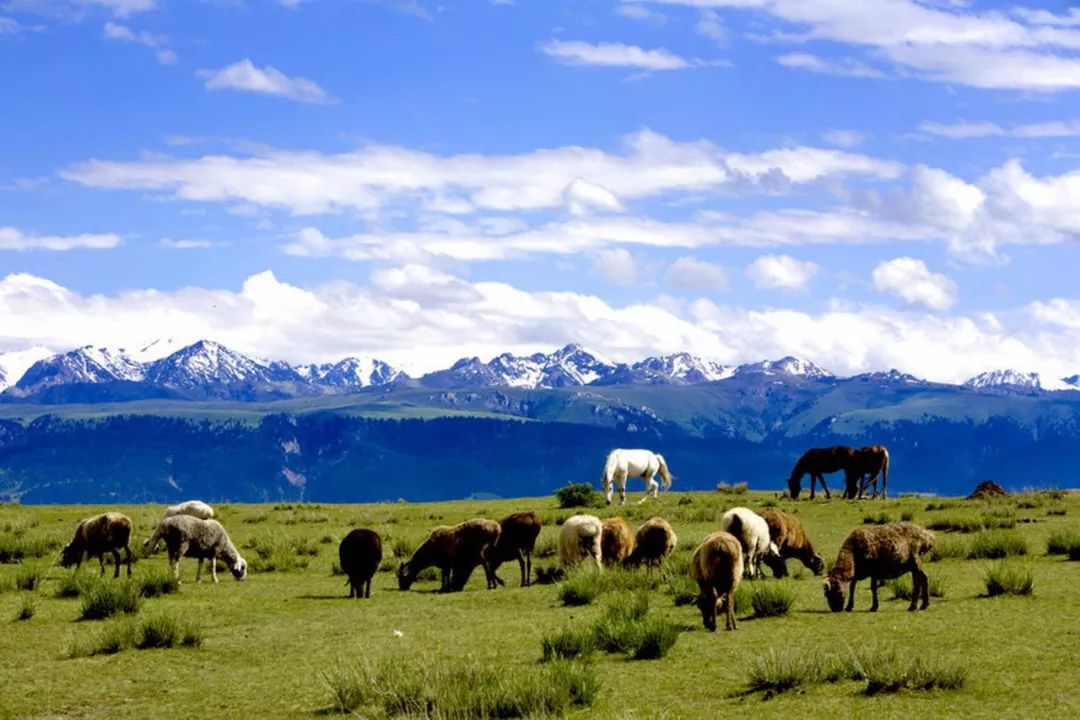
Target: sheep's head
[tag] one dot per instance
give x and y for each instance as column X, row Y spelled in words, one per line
column 834, row 594
column 405, row 576
column 70, row 555
column 239, row 569
column 707, row 606
column 777, row 564
column 817, row 565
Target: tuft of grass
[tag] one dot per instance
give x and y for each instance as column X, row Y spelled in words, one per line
column 256, row 518
column 948, row 547
column 29, row 577
column 585, row 585
column 27, row 607
column 165, row 631
column 682, row 588
column 907, row 516
column 772, row 599
column 157, row 582
column 459, row 688
column 778, row 670
column 103, row 597
column 729, row 489
column 69, row 586
column 567, row 644
column 19, row 544
column 1005, row 578
column 901, row 587
column 548, row 575
column 956, row 523
column 881, row 518
column 1062, row 542
column 625, row 627
column 401, row 548
column 996, row 544
column 1055, row 511
column 577, row 495
column 277, row 552
column 546, row 546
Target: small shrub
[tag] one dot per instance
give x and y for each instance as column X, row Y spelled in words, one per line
column 772, row 599
column 1061, row 542
column 158, row 582
column 567, row 644
column 995, row 544
column 887, row 671
column 654, row 639
column 626, row 628
column 778, row 670
column 948, row 547
column 581, row 589
column 27, row 607
column 165, row 631
column 881, row 518
column 327, row 539
column 728, row 489
column 907, row 516
column 685, row 500
column 1008, row 579
column 104, row 597
column 29, row 577
column 578, row 495
column 69, row 586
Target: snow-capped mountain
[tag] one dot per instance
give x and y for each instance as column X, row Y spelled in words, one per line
column 678, row 369
column 85, row 365
column 13, row 365
column 568, row 366
column 352, row 372
column 1006, row 381
column 203, row 364
column 890, row 377
column 789, row 365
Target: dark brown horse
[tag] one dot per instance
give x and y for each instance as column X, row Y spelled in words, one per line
column 818, row 462
column 872, row 460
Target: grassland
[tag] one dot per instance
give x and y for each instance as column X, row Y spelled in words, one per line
column 267, row 645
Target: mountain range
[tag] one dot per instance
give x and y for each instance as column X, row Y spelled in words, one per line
column 209, row 370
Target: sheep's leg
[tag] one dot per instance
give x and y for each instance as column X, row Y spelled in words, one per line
column 116, row 563
column 851, row 596
column 920, row 584
column 127, row 551
column 175, row 562
column 101, row 562
column 729, row 607
column 445, row 580
column 198, row 573
column 367, row 588
column 528, row 569
column 213, row 569
column 523, row 568
column 873, row 594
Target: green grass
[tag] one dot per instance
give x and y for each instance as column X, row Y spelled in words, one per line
column 1008, row 578
column 901, row 587
column 158, row 631
column 585, row 585
column 27, row 607
column 268, row 641
column 1063, row 542
column 771, row 599
column 995, row 544
column 104, row 597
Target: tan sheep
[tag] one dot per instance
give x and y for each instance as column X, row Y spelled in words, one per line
column 580, row 541
column 880, row 552
column 717, row 566
column 617, row 541
column 787, row 532
column 654, row 541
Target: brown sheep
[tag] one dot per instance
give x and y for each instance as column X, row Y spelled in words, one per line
column 655, row 540
column 880, row 552
column 786, row 530
column 517, row 538
column 359, row 555
column 617, row 541
column 717, row 566
column 455, row 550
column 110, row 532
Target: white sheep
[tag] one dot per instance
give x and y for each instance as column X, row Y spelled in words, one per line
column 187, row 536
column 753, row 534
column 579, row 540
column 194, row 508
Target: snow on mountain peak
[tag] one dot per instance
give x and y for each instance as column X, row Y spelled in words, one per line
column 1006, row 379
column 786, row 366
column 13, row 365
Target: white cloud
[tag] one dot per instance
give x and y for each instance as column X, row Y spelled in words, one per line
column 243, row 75
column 14, row 239
column 912, row 281
column 617, row 265
column 964, row 130
column 612, row 55
column 158, row 43
column 9, row 26
column 844, row 138
column 424, row 320
column 689, row 273
column 711, row 26
column 781, row 272
column 123, row 8
column 641, row 14
column 184, row 244
column 583, row 197
column 375, row 176
column 843, row 67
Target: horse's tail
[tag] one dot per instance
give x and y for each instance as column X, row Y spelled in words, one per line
column 885, row 472
column 665, row 474
column 609, row 469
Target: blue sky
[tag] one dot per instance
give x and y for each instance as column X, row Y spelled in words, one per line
column 888, row 183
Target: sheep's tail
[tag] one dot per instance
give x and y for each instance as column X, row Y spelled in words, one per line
column 665, row 474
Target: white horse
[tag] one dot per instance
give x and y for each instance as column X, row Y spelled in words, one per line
column 645, row 464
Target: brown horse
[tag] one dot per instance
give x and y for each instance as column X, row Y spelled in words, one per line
column 872, row 460
column 817, row 462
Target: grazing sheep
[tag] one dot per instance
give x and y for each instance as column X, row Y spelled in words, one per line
column 110, row 532
column 655, row 540
column 717, row 566
column 787, row 532
column 187, row 536
column 517, row 538
column 753, row 534
column 359, row 555
column 617, row 541
column 456, row 550
column 580, row 541
column 880, row 552
column 194, row 508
